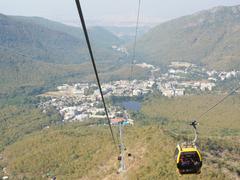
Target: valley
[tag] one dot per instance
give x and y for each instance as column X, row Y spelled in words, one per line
column 52, row 120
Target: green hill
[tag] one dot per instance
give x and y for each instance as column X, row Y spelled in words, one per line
column 37, row 52
column 23, row 76
column 48, row 41
column 20, row 75
column 56, row 26
column 100, row 37
column 80, row 151
column 75, row 152
column 209, row 37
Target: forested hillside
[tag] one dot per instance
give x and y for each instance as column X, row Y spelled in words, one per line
column 44, row 40
column 209, row 37
column 36, row 52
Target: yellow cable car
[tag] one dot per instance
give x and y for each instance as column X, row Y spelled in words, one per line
column 187, row 156
column 188, row 159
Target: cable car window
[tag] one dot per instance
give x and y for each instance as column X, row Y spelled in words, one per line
column 189, row 159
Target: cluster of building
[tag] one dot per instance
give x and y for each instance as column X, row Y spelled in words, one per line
column 127, row 88
column 182, row 78
column 81, row 101
column 120, row 49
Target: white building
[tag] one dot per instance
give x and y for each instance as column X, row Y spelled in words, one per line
column 63, row 87
column 179, row 92
column 181, row 64
column 167, row 92
column 137, row 92
column 80, row 117
column 145, row 65
column 207, row 86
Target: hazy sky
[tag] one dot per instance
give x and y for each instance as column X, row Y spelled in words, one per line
column 110, row 12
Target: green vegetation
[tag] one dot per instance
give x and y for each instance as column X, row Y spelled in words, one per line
column 74, row 151
column 17, row 121
column 69, row 152
column 26, row 75
column 182, row 110
column 82, row 150
column 209, row 38
column 157, row 160
column 100, row 37
column 219, row 130
column 51, row 54
column 37, row 53
column 43, row 40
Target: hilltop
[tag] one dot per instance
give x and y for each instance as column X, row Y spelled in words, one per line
column 210, row 38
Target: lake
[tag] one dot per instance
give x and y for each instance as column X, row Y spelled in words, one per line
column 132, row 105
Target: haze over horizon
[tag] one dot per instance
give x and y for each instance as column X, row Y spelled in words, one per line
column 108, row 12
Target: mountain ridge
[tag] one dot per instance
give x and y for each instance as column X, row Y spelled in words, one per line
column 209, row 37
column 54, row 42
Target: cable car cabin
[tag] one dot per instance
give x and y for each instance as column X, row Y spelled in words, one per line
column 188, row 159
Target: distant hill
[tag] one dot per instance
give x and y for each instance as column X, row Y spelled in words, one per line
column 100, row 36
column 48, row 41
column 35, row 51
column 210, row 37
column 127, row 33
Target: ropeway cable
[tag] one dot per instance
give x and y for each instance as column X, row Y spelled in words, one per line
column 94, row 64
column 135, row 40
column 219, row 102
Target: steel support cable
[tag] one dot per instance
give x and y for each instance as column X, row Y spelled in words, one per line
column 135, row 40
column 219, row 102
column 94, row 64
column 195, row 123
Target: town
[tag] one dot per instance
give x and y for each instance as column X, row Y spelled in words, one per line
column 80, row 101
